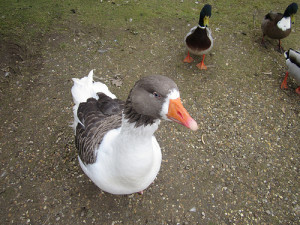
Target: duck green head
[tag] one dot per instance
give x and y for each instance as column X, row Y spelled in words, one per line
column 205, row 14
column 290, row 11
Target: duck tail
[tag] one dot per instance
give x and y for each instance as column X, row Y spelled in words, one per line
column 84, row 89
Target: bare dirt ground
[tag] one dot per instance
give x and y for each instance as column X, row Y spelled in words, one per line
column 241, row 167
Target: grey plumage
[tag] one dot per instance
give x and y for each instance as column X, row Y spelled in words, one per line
column 293, row 64
column 97, row 118
column 294, row 56
column 142, row 107
column 117, row 147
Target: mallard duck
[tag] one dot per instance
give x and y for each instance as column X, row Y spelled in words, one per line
column 115, row 139
column 278, row 25
column 199, row 40
column 293, row 64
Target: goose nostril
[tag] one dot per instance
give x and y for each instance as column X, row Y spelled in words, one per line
column 179, row 113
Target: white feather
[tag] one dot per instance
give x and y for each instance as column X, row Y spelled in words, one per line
column 84, row 89
column 294, row 70
column 128, row 159
column 295, row 55
column 284, row 24
column 174, row 94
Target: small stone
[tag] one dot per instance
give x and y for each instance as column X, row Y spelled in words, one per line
column 193, row 209
column 101, row 51
column 268, row 212
column 187, row 167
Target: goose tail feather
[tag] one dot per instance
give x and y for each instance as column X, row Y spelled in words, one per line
column 84, row 89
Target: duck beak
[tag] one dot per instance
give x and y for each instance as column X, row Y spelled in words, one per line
column 206, row 21
column 179, row 114
column 293, row 18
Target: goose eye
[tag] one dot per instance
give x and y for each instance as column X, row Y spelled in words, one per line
column 156, row 95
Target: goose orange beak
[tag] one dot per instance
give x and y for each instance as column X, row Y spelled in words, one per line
column 179, row 114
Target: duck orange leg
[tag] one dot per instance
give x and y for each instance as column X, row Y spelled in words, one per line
column 280, row 48
column 188, row 58
column 201, row 65
column 298, row 90
column 284, row 82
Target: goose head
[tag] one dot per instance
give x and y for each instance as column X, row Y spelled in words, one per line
column 156, row 97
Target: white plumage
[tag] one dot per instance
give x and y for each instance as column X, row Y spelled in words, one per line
column 284, row 24
column 293, row 64
column 122, row 147
column 127, row 157
column 84, row 89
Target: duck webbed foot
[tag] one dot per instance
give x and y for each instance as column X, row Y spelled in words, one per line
column 201, row 65
column 284, row 82
column 188, row 58
column 298, row 90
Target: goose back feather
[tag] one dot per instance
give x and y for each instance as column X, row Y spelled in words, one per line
column 97, row 118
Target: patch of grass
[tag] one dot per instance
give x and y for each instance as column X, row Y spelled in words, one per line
column 26, row 19
column 63, row 46
column 117, row 13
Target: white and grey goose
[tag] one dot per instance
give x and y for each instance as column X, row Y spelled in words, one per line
column 115, row 140
column 293, row 64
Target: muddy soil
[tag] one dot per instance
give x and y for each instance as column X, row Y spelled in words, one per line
column 242, row 166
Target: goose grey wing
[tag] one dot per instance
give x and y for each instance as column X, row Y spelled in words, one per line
column 109, row 106
column 97, row 118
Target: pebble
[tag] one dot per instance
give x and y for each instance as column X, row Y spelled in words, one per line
column 193, row 209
